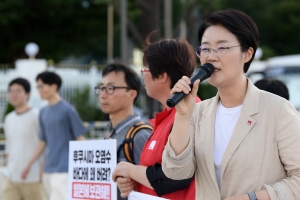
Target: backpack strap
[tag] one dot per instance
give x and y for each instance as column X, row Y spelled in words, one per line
column 128, row 142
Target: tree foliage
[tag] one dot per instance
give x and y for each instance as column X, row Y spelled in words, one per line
column 87, row 110
column 60, row 28
column 283, row 27
column 277, row 20
column 79, row 27
column 206, row 91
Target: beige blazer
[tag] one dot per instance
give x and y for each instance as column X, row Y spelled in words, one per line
column 263, row 152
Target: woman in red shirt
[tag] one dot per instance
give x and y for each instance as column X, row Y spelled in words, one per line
column 165, row 62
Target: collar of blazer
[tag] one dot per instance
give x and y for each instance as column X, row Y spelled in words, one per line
column 242, row 128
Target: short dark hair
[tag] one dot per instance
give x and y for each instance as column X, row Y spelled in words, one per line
column 21, row 81
column 274, row 86
column 176, row 57
column 50, row 78
column 131, row 78
column 239, row 24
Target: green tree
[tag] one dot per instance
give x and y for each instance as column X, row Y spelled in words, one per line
column 60, row 28
column 9, row 108
column 87, row 110
column 206, row 91
column 277, row 20
column 283, row 27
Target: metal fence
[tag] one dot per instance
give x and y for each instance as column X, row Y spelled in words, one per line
column 76, row 78
column 5, row 69
column 96, row 131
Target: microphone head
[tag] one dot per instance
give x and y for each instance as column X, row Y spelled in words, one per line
column 209, row 68
column 202, row 73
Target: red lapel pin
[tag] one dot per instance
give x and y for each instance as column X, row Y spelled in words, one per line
column 249, row 122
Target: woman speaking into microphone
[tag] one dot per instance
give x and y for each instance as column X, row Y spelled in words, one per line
column 243, row 143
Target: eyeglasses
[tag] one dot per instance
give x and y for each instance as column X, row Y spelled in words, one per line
column 144, row 70
column 205, row 51
column 15, row 92
column 39, row 87
column 108, row 89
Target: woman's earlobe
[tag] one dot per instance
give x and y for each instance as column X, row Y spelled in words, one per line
column 248, row 54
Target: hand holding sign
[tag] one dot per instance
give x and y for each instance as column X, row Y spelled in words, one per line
column 123, row 169
column 125, row 185
column 121, row 175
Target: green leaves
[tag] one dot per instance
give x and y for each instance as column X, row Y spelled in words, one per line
column 60, row 28
column 71, row 28
column 283, row 22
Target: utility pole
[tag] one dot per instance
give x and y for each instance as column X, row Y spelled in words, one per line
column 183, row 23
column 123, row 20
column 110, row 32
column 168, row 18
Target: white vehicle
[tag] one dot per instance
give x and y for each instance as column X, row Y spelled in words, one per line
column 256, row 70
column 286, row 69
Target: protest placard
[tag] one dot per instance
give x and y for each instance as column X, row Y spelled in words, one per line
column 91, row 164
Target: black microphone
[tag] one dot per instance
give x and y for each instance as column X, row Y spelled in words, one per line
column 202, row 73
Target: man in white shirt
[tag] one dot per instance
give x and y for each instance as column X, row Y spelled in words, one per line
column 21, row 128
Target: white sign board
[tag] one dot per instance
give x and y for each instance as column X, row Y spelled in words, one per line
column 91, row 164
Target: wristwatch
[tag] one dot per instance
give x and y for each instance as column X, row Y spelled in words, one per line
column 252, row 196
